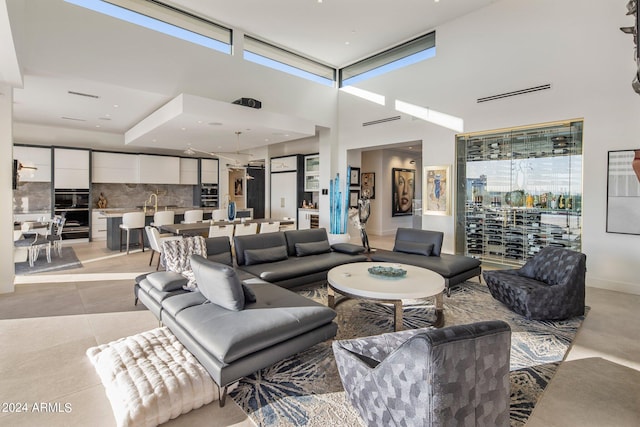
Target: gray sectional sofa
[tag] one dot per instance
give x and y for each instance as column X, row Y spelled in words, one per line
column 423, row 248
column 239, row 322
column 294, row 257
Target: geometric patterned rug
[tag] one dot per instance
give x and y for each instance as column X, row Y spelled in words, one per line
column 305, row 389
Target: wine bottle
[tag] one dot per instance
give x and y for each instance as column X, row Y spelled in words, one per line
column 561, row 202
column 569, row 203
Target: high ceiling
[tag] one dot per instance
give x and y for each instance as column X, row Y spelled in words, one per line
column 131, row 72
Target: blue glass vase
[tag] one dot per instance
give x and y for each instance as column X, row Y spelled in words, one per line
column 231, row 211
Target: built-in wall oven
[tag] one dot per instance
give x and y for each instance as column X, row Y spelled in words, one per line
column 73, row 204
column 209, row 195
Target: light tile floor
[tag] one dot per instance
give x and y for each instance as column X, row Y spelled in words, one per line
column 48, row 323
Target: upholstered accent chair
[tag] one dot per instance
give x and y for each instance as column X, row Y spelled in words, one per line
column 155, row 242
column 457, row 375
column 550, row 286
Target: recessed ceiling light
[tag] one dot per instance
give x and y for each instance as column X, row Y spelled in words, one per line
column 347, row 43
column 183, row 128
column 97, row 126
column 199, row 122
column 115, row 105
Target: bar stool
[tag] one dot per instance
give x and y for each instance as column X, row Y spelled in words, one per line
column 132, row 221
column 163, row 218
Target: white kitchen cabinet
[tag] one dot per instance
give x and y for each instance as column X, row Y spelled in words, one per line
column 312, row 173
column 189, row 171
column 98, row 225
column 115, row 168
column 71, row 168
column 36, row 157
column 209, row 171
column 307, row 218
column 158, row 169
column 282, row 164
column 284, row 195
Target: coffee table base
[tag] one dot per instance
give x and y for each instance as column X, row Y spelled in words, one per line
column 332, row 302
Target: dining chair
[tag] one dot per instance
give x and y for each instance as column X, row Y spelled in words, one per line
column 132, row 221
column 55, row 235
column 218, row 215
column 163, row 218
column 222, row 230
column 244, row 229
column 193, row 216
column 155, row 242
column 269, row 227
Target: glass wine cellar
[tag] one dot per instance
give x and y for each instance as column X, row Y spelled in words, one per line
column 519, row 190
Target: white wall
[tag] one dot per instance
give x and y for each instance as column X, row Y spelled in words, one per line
column 6, row 209
column 575, row 46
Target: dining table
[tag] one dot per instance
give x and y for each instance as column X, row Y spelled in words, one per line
column 202, row 228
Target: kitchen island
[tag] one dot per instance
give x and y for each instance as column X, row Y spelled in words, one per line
column 113, row 217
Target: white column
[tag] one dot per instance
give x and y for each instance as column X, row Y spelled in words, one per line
column 7, row 269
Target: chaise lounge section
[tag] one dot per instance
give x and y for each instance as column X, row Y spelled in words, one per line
column 422, row 248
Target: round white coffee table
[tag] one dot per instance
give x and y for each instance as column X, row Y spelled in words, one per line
column 354, row 280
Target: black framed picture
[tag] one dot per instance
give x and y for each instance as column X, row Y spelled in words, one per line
column 403, row 188
column 623, row 192
column 354, row 195
column 355, row 176
column 368, row 184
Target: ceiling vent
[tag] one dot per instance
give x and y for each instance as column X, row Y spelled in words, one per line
column 514, row 93
column 75, row 119
column 88, row 95
column 377, row 122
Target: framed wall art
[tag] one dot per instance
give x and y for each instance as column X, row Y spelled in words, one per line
column 437, row 197
column 368, row 184
column 623, row 192
column 354, row 195
column 402, row 191
column 355, row 176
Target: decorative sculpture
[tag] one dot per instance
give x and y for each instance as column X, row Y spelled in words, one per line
column 364, row 210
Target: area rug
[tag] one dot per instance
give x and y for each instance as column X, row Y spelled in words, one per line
column 68, row 260
column 150, row 378
column 305, row 390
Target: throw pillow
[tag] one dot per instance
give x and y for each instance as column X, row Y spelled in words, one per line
column 218, row 283
column 347, row 248
column 260, row 256
column 413, row 248
column 312, row 248
column 167, row 281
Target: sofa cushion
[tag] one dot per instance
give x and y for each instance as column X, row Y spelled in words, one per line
column 257, row 241
column 417, row 248
column 446, row 265
column 219, row 283
column 260, row 256
column 301, row 266
column 167, row 281
column 219, row 250
column 304, row 236
column 278, row 315
column 347, row 248
column 312, row 248
column 421, row 236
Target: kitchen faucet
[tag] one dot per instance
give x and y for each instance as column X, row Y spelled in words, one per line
column 155, row 206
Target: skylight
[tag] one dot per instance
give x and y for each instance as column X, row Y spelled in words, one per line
column 217, row 37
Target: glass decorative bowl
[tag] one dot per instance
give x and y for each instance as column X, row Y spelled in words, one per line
column 381, row 271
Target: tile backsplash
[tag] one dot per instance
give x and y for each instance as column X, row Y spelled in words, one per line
column 132, row 195
column 32, row 197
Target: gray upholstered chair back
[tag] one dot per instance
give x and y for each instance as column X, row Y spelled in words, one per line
column 304, row 236
column 256, row 241
column 458, row 375
column 422, row 236
column 556, row 266
column 219, row 250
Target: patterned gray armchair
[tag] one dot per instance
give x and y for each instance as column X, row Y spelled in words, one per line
column 458, row 375
column 550, row 286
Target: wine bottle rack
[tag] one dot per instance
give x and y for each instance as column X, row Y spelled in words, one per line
column 521, row 191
